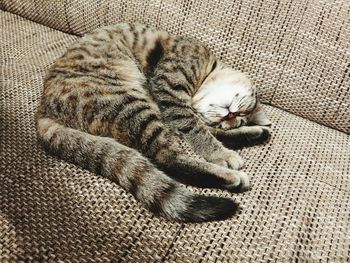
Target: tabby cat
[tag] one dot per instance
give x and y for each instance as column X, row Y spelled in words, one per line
column 136, row 104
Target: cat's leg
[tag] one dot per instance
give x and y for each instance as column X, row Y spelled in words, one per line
column 177, row 113
column 135, row 173
column 199, row 172
column 202, row 141
column 242, row 136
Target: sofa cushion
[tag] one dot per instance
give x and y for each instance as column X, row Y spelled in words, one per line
column 297, row 52
column 50, row 210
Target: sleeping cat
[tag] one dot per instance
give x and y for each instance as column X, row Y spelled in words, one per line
column 126, row 100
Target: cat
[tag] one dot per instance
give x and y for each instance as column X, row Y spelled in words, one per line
column 140, row 107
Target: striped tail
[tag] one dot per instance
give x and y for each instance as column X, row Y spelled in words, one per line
column 136, row 174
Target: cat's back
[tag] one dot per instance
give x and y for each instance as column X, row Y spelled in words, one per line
column 109, row 45
column 112, row 54
column 99, row 70
column 120, row 51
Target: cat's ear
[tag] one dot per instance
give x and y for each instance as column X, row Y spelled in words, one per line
column 258, row 117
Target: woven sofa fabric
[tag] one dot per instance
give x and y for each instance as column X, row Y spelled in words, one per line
column 53, row 211
column 297, row 52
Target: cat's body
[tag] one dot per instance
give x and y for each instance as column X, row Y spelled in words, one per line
column 122, row 96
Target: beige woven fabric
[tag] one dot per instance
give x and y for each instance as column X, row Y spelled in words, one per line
column 297, row 52
column 52, row 211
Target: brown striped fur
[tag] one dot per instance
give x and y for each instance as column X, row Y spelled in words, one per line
column 117, row 103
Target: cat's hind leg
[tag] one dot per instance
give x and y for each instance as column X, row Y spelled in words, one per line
column 155, row 190
column 206, row 174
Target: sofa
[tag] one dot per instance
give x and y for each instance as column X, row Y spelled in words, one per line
column 298, row 210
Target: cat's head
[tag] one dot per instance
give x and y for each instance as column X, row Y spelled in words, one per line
column 227, row 99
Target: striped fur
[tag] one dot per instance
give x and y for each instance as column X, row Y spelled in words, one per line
column 117, row 102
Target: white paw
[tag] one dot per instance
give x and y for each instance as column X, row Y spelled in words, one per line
column 229, row 159
column 233, row 160
column 241, row 182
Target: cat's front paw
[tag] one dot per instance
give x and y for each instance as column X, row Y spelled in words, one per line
column 228, row 158
column 257, row 134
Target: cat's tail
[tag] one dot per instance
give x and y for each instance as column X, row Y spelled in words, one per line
column 154, row 189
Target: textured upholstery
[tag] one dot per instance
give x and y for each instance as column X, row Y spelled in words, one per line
column 298, row 208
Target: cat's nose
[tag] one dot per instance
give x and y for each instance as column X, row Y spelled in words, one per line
column 231, row 115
